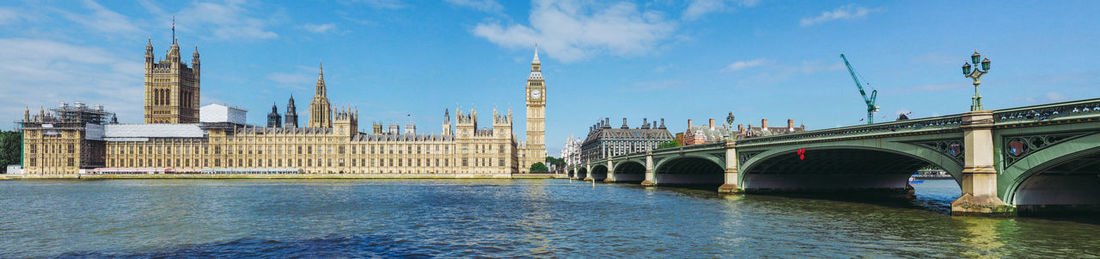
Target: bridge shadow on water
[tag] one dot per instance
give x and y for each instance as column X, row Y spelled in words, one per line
column 333, row 246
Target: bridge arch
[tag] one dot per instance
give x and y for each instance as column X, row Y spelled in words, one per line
column 629, row 171
column 690, row 169
column 582, row 172
column 1061, row 177
column 599, row 172
column 852, row 165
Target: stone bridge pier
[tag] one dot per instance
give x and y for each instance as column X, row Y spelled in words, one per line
column 729, row 180
column 1030, row 160
column 979, row 175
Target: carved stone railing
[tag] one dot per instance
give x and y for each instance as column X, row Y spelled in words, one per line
column 940, row 122
column 1051, row 111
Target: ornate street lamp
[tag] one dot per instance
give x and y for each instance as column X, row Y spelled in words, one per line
column 729, row 125
column 976, row 75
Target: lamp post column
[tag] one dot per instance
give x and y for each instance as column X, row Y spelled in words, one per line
column 979, row 175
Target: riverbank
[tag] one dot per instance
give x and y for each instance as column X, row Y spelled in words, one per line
column 277, row 176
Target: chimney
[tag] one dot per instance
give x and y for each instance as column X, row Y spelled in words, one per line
column 662, row 123
column 624, row 124
column 763, row 123
column 689, row 125
column 711, row 123
column 790, row 124
column 740, row 128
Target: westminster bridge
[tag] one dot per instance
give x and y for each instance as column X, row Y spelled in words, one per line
column 1028, row 158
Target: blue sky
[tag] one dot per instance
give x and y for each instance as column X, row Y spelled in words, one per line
column 676, row 60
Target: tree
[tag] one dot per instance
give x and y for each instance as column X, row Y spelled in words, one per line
column 539, row 168
column 559, row 162
column 10, row 149
column 668, row 144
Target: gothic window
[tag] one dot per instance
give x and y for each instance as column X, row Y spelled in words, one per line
column 34, row 162
column 70, row 161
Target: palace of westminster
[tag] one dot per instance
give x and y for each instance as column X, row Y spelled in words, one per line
column 180, row 137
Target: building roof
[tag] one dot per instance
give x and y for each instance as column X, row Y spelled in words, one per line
column 139, row 131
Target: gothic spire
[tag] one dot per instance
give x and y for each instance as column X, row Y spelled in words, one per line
column 536, row 59
column 320, row 87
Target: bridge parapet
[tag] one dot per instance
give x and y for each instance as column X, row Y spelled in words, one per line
column 1053, row 111
column 933, row 123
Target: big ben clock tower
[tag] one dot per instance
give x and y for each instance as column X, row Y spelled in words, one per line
column 536, row 115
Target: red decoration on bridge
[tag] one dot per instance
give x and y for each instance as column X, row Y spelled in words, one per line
column 801, row 154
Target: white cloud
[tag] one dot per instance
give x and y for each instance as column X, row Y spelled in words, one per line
column 319, row 28
column 102, row 19
column 571, row 30
column 810, row 67
column 1055, row 97
column 739, row 65
column 38, row 72
column 225, row 21
column 846, row 12
column 9, row 16
column 480, row 5
column 699, row 8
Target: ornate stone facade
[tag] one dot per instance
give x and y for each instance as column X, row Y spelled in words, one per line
column 64, row 140
column 171, row 88
column 534, row 150
column 332, row 144
column 603, row 140
column 320, row 111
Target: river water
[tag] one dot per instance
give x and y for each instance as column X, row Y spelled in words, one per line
column 498, row 218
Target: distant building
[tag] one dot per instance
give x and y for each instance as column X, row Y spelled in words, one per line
column 571, row 151
column 171, row 88
column 291, row 114
column 694, row 135
column 68, row 138
column 274, row 120
column 320, row 111
column 215, row 113
column 215, row 139
column 710, row 132
column 604, row 141
column 765, row 130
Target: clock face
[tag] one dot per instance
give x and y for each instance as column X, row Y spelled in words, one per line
column 536, row 94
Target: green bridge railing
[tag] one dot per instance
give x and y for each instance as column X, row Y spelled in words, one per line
column 1050, row 111
column 1035, row 113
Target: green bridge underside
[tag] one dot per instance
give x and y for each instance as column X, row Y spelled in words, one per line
column 1057, row 141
